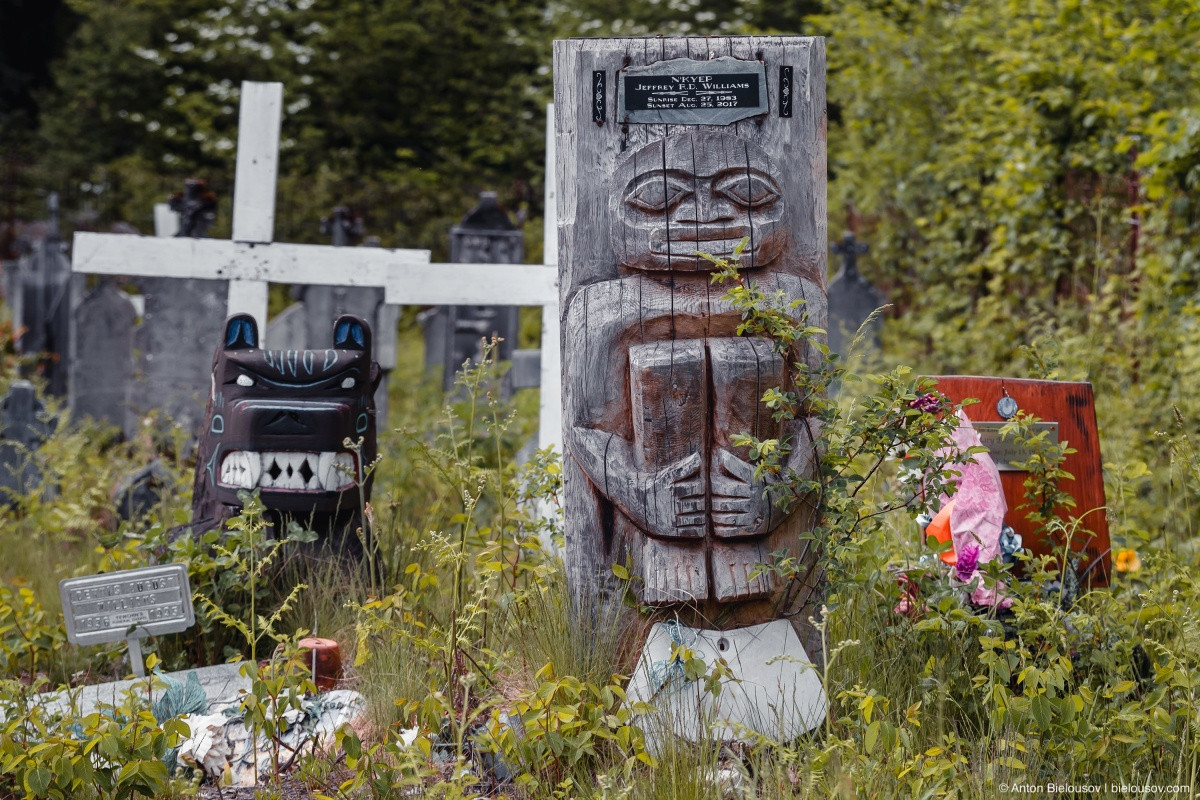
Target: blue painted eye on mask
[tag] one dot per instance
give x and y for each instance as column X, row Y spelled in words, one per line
column 348, row 330
column 241, row 332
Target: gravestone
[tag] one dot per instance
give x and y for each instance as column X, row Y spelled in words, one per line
column 343, row 226
column 453, row 334
column 288, row 327
column 39, row 292
column 195, row 207
column 505, row 284
column 101, row 364
column 175, row 335
column 1067, row 411
column 852, row 298
column 23, row 428
column 668, row 147
column 180, row 324
column 142, row 491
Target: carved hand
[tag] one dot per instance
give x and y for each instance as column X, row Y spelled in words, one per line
column 672, row 500
column 740, row 504
column 668, row 503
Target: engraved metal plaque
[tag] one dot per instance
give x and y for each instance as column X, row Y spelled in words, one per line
column 683, row 91
column 1005, row 452
column 132, row 603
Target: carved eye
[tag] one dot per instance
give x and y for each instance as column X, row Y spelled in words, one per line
column 749, row 189
column 245, row 380
column 348, row 383
column 656, row 192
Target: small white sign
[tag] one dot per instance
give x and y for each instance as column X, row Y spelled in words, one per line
column 130, row 604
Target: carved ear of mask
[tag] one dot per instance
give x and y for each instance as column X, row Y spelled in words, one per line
column 351, row 333
column 241, row 332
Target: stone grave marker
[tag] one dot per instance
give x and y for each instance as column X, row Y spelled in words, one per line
column 306, row 323
column 486, row 235
column 101, row 364
column 195, row 209
column 506, row 284
column 176, row 338
column 668, row 147
column 852, row 298
column 24, row 425
column 39, row 292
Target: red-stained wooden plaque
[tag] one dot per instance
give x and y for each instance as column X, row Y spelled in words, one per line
column 1072, row 407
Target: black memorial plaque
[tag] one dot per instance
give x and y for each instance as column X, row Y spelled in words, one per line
column 683, row 91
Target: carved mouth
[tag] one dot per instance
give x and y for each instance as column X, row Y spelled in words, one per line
column 687, row 248
column 285, row 471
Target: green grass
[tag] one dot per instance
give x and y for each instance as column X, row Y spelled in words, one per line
column 466, row 618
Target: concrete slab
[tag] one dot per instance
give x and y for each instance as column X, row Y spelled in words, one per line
column 222, row 684
column 773, row 690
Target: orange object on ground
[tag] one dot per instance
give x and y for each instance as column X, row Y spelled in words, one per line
column 939, row 529
column 324, row 654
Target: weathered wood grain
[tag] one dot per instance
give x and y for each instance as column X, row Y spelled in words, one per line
column 656, row 378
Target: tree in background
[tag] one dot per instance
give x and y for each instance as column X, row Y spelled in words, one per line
column 1027, row 174
column 404, row 109
column 32, row 33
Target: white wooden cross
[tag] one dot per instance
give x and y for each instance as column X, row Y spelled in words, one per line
column 249, row 261
column 504, row 285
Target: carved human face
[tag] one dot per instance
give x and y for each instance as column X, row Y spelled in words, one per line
column 703, row 192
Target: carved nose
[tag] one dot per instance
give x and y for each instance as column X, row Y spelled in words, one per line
column 286, row 423
column 703, row 208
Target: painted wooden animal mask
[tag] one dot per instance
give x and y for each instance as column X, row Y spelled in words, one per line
column 277, row 420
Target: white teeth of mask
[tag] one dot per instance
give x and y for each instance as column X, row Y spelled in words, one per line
column 336, row 470
column 288, row 471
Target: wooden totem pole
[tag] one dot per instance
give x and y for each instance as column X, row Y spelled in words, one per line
column 668, row 147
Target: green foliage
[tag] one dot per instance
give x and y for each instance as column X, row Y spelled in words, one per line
column 277, row 687
column 1023, row 173
column 114, row 753
column 243, row 556
column 147, row 94
column 899, row 417
column 25, row 632
column 1047, row 490
column 564, row 724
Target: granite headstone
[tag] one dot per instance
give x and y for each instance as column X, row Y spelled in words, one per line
column 101, row 364
column 852, row 298
column 23, row 427
column 40, row 295
column 453, row 334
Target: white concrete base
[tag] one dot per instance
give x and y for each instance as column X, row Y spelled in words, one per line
column 222, row 685
column 774, row 691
